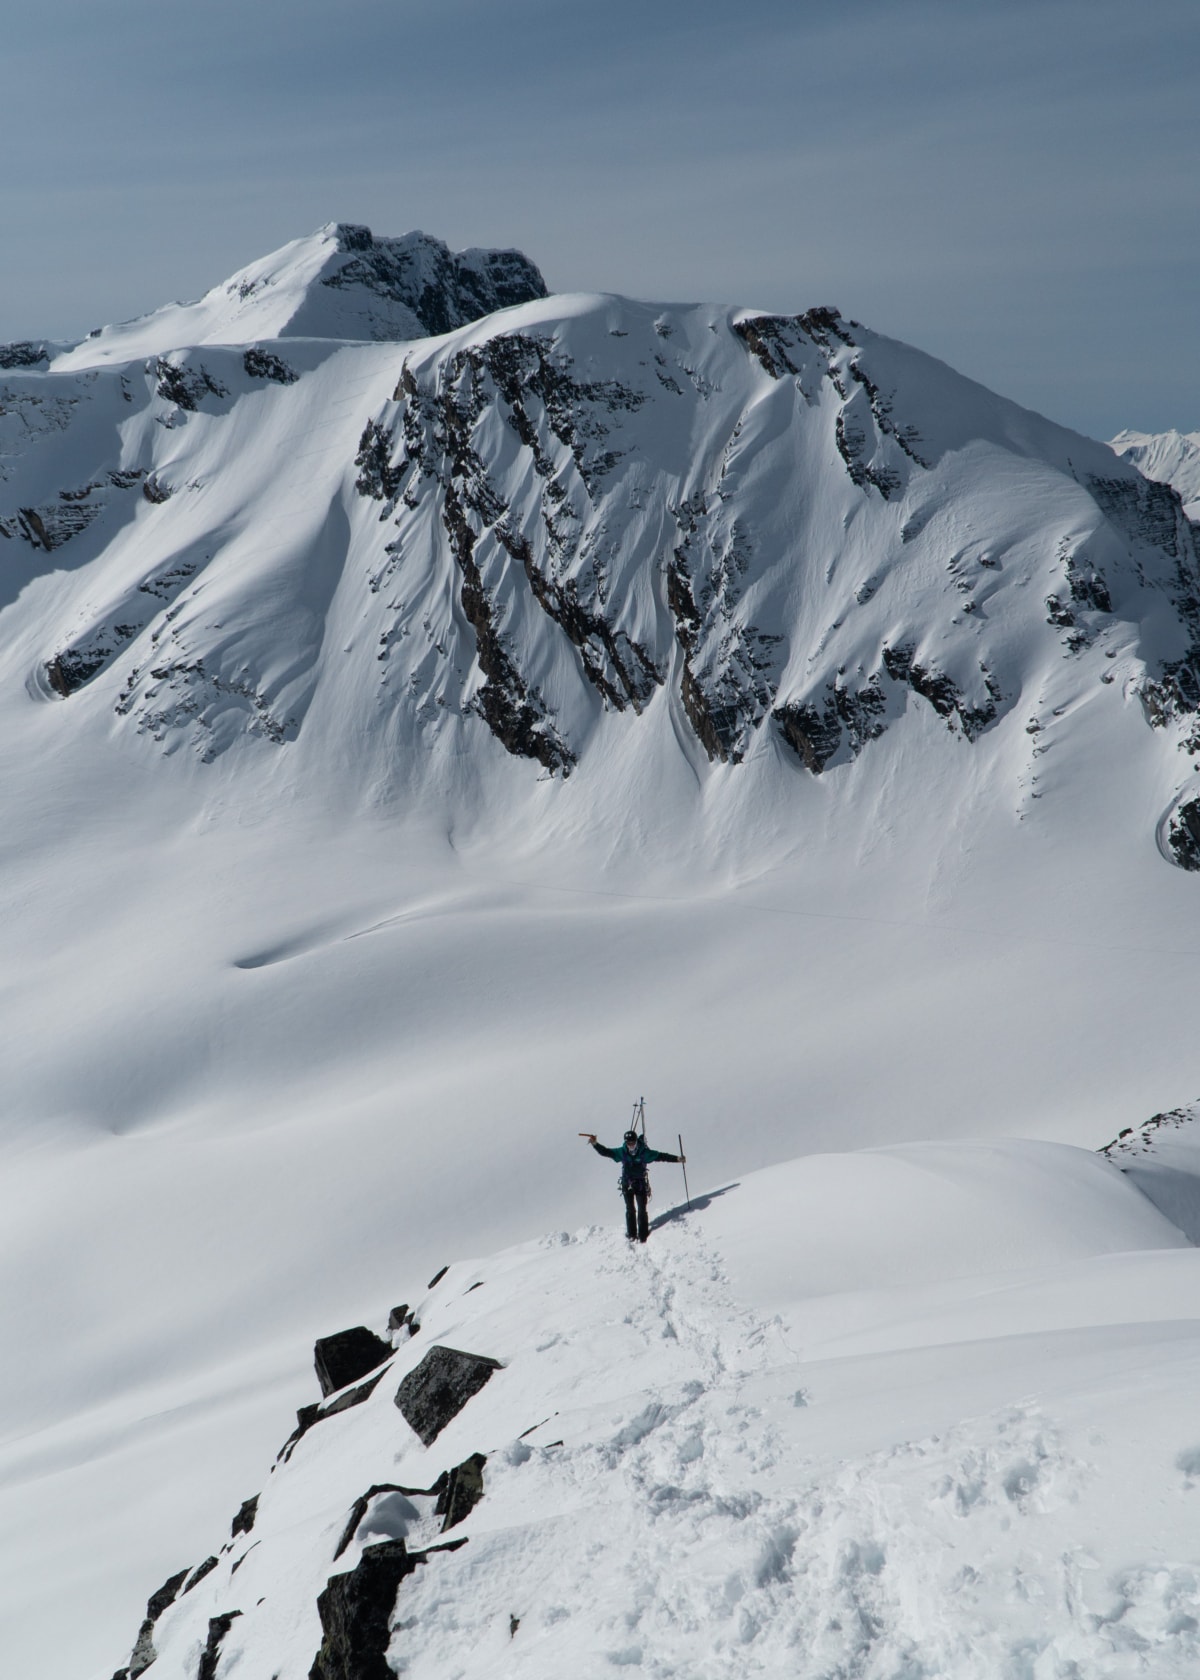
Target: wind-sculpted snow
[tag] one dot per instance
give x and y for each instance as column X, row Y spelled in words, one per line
column 704, row 1457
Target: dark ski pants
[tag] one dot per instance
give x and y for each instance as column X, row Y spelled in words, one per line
column 637, row 1224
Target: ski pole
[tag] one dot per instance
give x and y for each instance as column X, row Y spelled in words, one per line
column 683, row 1164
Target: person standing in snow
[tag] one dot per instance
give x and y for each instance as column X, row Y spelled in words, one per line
column 634, row 1155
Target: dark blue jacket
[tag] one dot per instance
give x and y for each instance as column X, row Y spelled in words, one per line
column 633, row 1165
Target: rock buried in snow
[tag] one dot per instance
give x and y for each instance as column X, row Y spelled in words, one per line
column 347, row 1355
column 440, row 1386
column 461, row 1490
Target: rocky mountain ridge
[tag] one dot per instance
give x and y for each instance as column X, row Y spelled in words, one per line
column 778, row 535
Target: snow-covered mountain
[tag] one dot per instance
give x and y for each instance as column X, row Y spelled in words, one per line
column 585, row 527
column 414, row 747
column 1167, row 458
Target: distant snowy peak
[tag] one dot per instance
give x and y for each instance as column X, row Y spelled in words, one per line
column 1168, row 458
column 341, row 283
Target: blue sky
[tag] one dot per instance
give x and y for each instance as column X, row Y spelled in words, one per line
column 1012, row 186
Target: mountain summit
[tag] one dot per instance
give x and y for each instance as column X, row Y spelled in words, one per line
column 340, row 282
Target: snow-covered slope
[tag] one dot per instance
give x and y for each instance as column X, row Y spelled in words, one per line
column 1168, row 458
column 591, row 527
column 413, row 750
column 340, row 282
column 914, row 1411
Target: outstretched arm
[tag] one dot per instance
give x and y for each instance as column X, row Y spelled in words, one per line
column 610, row 1154
column 661, row 1155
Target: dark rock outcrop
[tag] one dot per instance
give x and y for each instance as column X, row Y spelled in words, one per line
column 512, row 708
column 244, row 1521
column 563, row 425
column 1183, row 834
column 730, row 667
column 347, row 1355
column 25, row 353
column 264, row 364
column 185, row 386
column 52, row 524
column 947, row 701
column 814, row 735
column 218, row 1627
column 307, row 1416
column 865, row 431
column 356, row 1611
column 143, row 1650
column 439, row 1387
column 200, row 1571
column 443, row 288
column 460, row 1490
column 1153, row 513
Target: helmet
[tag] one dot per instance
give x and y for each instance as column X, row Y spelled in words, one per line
column 631, row 1141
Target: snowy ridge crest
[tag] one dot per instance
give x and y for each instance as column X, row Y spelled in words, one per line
column 674, row 1487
